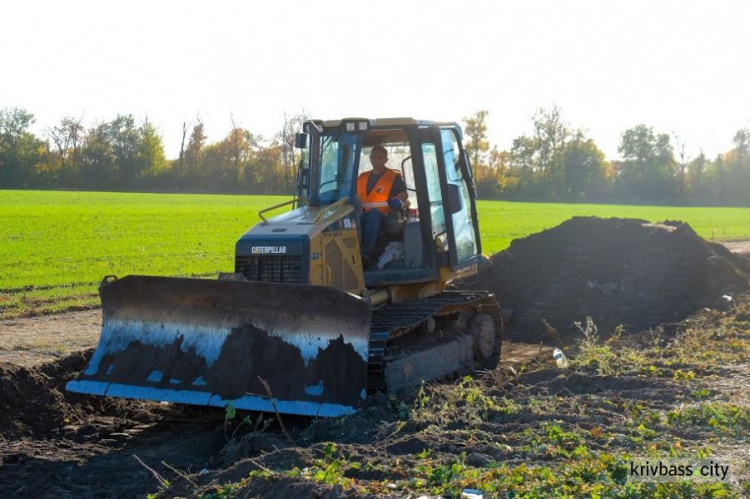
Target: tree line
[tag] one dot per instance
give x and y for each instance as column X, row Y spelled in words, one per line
column 560, row 163
column 123, row 154
column 556, row 162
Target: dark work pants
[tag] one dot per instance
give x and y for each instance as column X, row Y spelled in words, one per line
column 370, row 221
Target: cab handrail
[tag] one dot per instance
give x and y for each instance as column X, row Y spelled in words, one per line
column 271, row 208
column 330, row 207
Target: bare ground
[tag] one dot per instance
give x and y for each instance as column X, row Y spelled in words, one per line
column 36, row 340
column 56, row 444
column 739, row 247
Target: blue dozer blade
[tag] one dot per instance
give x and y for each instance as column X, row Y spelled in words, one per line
column 202, row 342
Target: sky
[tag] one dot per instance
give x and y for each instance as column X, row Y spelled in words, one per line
column 680, row 67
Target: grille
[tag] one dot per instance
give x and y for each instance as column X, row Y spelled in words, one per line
column 270, row 268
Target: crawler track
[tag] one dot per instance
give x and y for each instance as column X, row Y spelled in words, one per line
column 397, row 320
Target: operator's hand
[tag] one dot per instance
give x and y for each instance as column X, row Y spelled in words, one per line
column 395, row 203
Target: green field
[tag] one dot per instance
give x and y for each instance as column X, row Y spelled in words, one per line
column 55, row 247
column 502, row 221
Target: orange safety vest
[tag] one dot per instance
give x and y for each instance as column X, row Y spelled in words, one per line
column 378, row 196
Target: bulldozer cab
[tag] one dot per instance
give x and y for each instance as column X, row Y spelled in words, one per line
column 440, row 229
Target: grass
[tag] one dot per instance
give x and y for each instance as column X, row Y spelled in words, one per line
column 501, row 221
column 55, row 247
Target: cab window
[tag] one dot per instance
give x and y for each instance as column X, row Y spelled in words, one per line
column 463, row 225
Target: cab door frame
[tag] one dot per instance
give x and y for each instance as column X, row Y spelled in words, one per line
column 451, row 197
column 459, row 196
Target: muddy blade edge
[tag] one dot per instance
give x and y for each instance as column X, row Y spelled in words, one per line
column 204, row 342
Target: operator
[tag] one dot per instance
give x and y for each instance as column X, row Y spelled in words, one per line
column 380, row 190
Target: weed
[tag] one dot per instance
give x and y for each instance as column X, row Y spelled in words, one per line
column 680, row 375
column 227, row 491
column 701, row 394
column 230, row 414
column 591, row 354
column 474, row 397
column 399, row 407
column 717, row 416
column 652, row 370
column 329, row 450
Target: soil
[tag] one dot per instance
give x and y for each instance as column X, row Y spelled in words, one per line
column 739, row 247
column 620, row 272
column 58, row 444
column 36, row 340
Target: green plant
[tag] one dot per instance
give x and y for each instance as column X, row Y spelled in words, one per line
column 701, row 394
column 719, row 416
column 680, row 375
column 230, row 413
column 591, row 353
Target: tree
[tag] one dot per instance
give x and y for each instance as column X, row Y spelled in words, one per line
column 125, row 139
column 491, row 181
column 268, row 170
column 181, row 159
column 738, row 171
column 67, row 136
column 583, row 170
column 20, row 150
column 97, row 158
column 194, row 151
column 237, row 137
column 647, row 172
column 227, row 164
column 682, row 165
column 556, row 162
column 699, row 188
column 477, row 146
column 151, row 150
column 741, row 141
column 551, row 135
column 289, row 160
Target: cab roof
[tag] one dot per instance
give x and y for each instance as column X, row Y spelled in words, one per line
column 379, row 122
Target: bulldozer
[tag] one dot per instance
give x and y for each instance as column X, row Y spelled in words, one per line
column 302, row 326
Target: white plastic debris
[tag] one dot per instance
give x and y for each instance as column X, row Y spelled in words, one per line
column 560, row 358
column 472, row 494
column 393, row 251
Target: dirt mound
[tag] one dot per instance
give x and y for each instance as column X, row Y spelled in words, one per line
column 618, row 271
column 33, row 401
